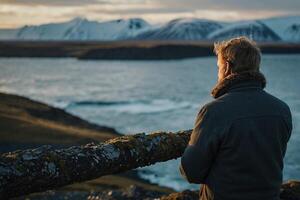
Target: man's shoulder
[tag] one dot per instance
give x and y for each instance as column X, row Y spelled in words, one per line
column 282, row 105
column 276, row 103
column 277, row 100
column 215, row 105
column 214, row 109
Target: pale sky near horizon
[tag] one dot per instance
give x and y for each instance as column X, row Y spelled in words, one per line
column 16, row 13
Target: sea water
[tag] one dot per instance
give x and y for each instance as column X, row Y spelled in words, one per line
column 146, row 96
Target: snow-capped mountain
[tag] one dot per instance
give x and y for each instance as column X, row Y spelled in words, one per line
column 83, row 29
column 256, row 30
column 279, row 29
column 181, row 29
column 286, row 29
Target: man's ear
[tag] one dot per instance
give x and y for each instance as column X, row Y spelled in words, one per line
column 228, row 69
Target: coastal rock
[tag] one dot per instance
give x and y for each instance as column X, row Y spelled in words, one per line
column 289, row 191
column 132, row 192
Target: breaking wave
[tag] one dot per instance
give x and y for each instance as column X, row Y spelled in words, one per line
column 134, row 106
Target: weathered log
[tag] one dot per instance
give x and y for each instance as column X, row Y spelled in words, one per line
column 34, row 170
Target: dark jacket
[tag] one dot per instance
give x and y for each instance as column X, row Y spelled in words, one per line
column 239, row 140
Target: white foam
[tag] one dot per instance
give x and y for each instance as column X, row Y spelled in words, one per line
column 141, row 106
column 158, row 105
column 160, row 173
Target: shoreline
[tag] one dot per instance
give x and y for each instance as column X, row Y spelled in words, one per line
column 126, row 50
column 35, row 124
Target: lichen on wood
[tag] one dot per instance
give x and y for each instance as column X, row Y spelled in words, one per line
column 34, row 170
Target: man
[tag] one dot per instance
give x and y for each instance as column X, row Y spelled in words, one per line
column 239, row 140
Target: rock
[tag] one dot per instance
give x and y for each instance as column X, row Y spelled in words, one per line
column 290, row 190
column 184, row 195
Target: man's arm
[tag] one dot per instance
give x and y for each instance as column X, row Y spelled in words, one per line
column 202, row 149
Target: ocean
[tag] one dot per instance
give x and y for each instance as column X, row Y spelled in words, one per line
column 146, row 96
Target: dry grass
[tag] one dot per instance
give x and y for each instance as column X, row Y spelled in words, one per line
column 19, row 125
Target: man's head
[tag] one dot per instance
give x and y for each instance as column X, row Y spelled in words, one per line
column 237, row 55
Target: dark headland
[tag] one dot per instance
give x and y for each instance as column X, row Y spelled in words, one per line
column 126, row 50
column 25, row 123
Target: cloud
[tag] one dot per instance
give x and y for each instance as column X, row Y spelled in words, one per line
column 14, row 13
column 199, row 4
column 270, row 5
column 51, row 2
column 68, row 2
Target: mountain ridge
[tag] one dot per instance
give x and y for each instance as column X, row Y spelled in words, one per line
column 275, row 29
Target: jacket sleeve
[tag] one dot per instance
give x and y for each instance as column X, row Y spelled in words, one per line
column 202, row 149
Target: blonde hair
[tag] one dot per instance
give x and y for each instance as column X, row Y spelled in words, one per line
column 241, row 53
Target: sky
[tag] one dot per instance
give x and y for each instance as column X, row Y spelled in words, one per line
column 16, row 13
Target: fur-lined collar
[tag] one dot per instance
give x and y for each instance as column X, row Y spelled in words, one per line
column 223, row 86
